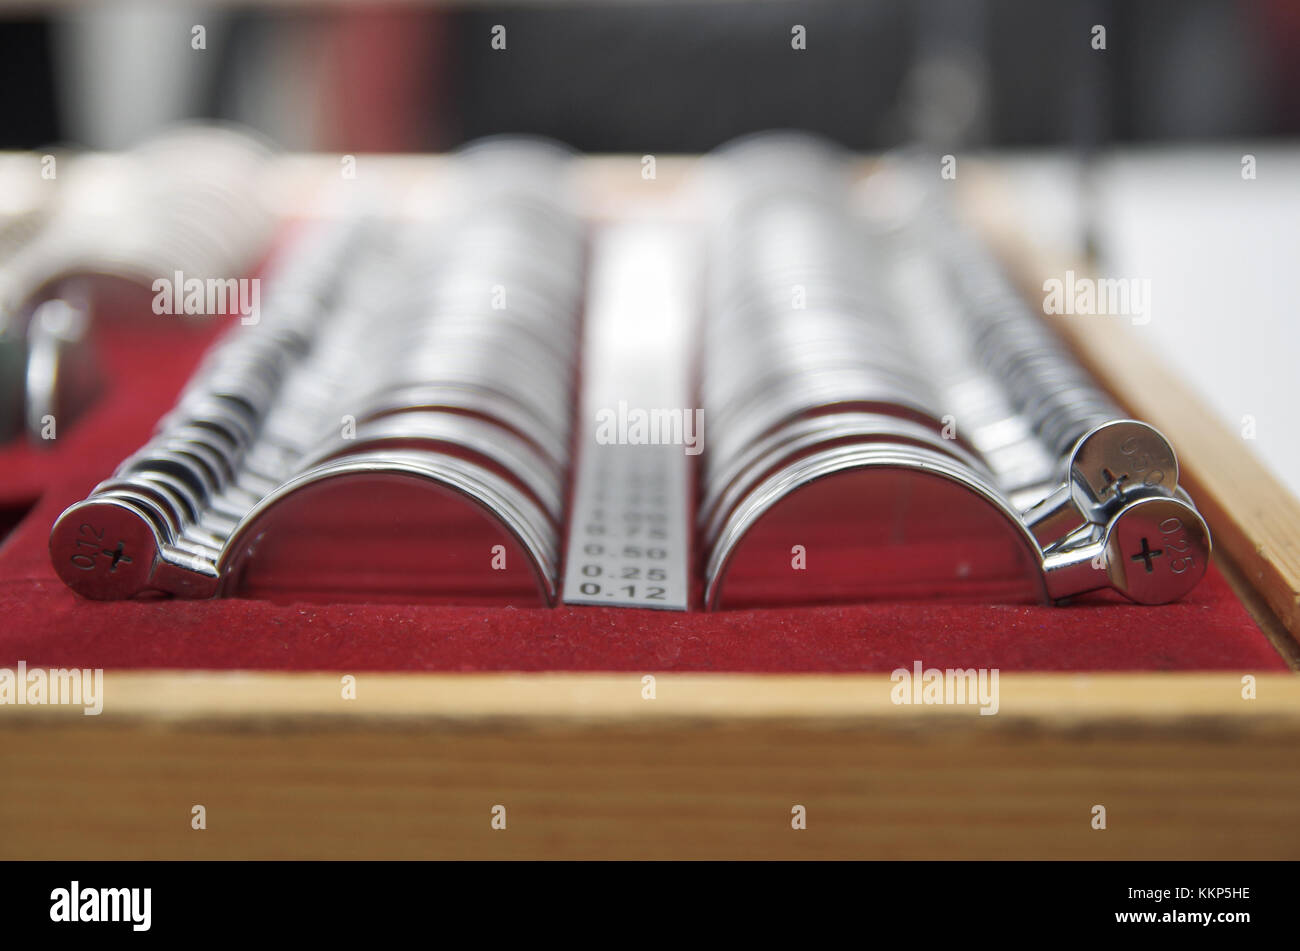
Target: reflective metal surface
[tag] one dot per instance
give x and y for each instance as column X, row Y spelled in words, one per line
column 394, row 426
column 889, row 352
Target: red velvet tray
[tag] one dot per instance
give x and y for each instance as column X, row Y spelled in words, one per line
column 45, row 624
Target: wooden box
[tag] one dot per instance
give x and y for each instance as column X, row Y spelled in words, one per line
column 1186, row 765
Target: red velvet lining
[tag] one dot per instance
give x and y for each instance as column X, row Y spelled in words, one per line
column 45, row 624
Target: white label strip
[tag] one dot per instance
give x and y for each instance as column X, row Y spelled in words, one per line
column 629, row 529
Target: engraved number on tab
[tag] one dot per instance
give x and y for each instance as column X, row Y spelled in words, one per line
column 91, row 542
column 1176, row 541
column 1144, row 465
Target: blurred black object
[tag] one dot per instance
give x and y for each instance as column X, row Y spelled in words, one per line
column 685, row 77
column 28, row 115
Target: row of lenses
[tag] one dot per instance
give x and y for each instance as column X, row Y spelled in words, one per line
column 191, row 477
column 805, row 353
column 455, row 340
column 1043, row 380
column 444, row 348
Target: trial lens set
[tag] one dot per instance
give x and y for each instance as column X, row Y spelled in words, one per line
column 414, row 413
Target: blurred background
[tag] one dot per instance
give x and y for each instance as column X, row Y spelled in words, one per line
column 670, row 77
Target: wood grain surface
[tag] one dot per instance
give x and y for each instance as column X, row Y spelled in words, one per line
column 711, row 768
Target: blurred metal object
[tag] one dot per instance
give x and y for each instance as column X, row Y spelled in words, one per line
column 187, row 201
column 185, row 205
column 13, row 374
column 15, row 233
column 49, row 374
column 62, row 376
